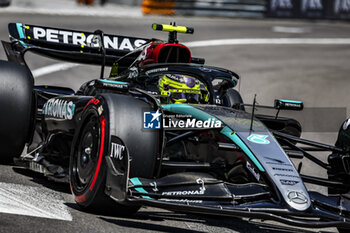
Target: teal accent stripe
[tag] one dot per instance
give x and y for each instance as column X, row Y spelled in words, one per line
column 234, row 137
column 111, row 81
column 291, row 101
column 135, row 181
column 186, row 109
column 20, row 31
column 141, row 190
column 23, row 44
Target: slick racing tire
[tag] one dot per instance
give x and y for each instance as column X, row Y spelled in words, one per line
column 88, row 166
column 233, row 99
column 5, row 3
column 16, row 92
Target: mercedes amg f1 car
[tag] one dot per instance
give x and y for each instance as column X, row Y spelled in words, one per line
column 162, row 130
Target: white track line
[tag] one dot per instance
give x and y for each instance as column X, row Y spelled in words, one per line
column 270, row 41
column 205, row 43
column 52, row 68
column 32, row 201
column 296, row 30
column 118, row 13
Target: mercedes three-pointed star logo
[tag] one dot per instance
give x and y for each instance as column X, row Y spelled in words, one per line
column 297, row 197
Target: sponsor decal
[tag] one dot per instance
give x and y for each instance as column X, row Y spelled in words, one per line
column 115, row 85
column 92, row 101
column 297, row 197
column 282, row 164
column 292, row 105
column 289, row 182
column 156, row 70
column 58, row 108
column 282, row 169
column 259, row 139
column 117, row 151
column 252, row 170
column 287, row 175
column 341, row 6
column 275, row 160
column 346, row 124
column 201, row 190
column 181, row 200
column 151, row 120
column 80, row 38
column 311, row 5
column 281, row 4
column 185, row 192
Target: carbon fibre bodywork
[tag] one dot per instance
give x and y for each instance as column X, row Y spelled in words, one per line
column 212, row 158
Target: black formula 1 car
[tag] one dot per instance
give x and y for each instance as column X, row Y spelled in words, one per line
column 162, row 130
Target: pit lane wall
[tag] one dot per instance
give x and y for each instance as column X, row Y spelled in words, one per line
column 304, row 9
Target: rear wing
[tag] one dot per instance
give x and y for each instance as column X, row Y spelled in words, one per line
column 69, row 45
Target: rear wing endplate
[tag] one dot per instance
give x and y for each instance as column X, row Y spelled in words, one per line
column 70, row 45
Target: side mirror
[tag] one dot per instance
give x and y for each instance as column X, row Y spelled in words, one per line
column 281, row 104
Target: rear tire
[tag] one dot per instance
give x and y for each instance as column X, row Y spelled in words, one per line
column 16, row 92
column 5, row 3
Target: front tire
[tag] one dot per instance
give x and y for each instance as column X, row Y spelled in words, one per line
column 88, row 166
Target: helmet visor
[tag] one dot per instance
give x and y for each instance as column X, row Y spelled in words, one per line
column 189, row 97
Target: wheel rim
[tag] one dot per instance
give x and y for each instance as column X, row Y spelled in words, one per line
column 86, row 156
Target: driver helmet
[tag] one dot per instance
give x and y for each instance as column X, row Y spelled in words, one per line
column 182, row 89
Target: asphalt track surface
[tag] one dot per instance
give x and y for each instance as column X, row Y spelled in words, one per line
column 316, row 74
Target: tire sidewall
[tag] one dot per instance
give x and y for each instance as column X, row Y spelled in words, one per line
column 86, row 196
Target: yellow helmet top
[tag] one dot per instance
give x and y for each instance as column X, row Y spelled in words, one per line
column 182, row 89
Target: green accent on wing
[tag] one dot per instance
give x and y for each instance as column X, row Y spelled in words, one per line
column 135, row 181
column 23, row 44
column 73, row 108
column 111, row 81
column 234, row 137
column 291, row 101
column 186, row 109
column 20, row 31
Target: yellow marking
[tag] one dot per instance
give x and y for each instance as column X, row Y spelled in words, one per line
column 81, row 51
column 170, row 28
column 82, row 46
column 28, row 37
column 27, row 27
